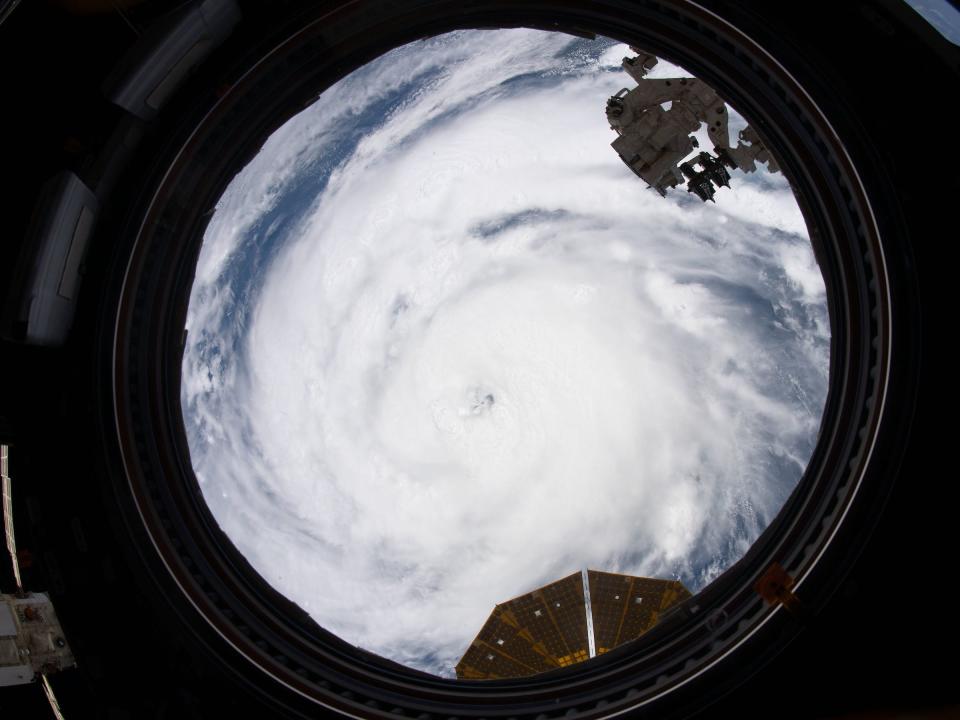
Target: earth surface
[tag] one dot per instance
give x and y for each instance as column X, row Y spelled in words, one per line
column 444, row 347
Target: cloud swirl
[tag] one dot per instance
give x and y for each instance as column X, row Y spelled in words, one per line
column 444, row 347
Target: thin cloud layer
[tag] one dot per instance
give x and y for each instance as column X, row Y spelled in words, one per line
column 444, row 347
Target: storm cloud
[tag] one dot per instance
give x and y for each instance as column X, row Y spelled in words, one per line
column 444, row 347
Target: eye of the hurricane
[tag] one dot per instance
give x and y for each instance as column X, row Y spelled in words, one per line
column 463, row 387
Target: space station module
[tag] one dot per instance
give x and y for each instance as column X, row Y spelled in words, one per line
column 655, row 122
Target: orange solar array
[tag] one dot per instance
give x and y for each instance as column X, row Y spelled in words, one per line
column 547, row 628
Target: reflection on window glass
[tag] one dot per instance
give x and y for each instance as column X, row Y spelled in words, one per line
column 942, row 15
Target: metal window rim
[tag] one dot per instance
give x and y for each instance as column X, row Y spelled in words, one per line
column 273, row 646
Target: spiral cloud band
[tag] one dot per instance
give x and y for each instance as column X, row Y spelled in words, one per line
column 444, row 347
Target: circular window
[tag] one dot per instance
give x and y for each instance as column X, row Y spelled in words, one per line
column 748, row 609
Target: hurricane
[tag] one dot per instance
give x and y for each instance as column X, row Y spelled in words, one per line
column 444, row 347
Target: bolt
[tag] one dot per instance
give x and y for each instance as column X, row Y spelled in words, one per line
column 716, row 620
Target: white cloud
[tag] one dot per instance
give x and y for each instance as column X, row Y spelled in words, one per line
column 485, row 355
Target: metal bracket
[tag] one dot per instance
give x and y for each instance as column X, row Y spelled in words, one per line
column 775, row 586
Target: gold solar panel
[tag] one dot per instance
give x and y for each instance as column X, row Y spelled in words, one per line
column 547, row 628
